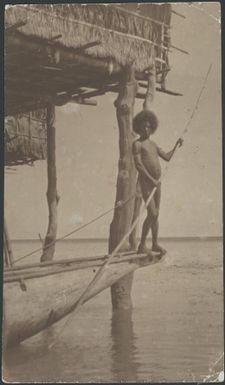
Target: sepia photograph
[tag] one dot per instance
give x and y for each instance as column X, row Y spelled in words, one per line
column 113, row 193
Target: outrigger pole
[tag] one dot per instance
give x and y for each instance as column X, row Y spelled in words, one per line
column 102, row 269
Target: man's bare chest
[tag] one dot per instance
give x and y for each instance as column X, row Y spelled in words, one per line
column 149, row 149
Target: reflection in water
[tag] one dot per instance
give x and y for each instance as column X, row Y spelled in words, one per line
column 124, row 351
column 32, row 360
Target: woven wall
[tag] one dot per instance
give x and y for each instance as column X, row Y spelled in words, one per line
column 25, row 138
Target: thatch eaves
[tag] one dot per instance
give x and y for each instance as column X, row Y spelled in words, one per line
column 123, row 37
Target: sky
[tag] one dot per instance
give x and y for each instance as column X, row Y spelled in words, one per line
column 87, row 148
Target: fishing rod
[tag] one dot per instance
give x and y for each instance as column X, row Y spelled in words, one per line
column 102, row 269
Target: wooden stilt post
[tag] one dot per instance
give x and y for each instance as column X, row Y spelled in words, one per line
column 6, row 252
column 52, row 196
column 150, row 93
column 7, row 245
column 126, row 180
column 123, row 346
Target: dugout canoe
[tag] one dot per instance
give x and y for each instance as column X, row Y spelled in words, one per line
column 38, row 295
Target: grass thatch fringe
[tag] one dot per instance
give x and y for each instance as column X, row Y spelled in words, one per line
column 25, row 137
column 123, row 37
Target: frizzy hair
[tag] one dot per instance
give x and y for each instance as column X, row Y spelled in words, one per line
column 142, row 117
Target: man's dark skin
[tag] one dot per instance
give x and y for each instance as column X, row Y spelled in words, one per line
column 146, row 156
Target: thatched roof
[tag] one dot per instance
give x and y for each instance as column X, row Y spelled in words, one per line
column 59, row 49
column 123, row 36
column 73, row 52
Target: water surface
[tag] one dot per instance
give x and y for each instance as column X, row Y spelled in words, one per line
column 173, row 334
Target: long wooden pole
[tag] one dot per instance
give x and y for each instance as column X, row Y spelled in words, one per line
column 126, row 180
column 52, row 196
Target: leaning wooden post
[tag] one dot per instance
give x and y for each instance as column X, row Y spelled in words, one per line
column 150, row 93
column 52, row 196
column 6, row 260
column 126, row 180
column 7, row 244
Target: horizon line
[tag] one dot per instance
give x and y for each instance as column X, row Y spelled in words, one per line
column 199, row 237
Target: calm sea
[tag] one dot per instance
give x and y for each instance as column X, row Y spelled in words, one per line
column 173, row 334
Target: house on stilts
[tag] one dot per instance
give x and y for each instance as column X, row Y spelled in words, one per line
column 72, row 53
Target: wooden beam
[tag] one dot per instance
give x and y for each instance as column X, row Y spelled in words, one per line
column 88, row 45
column 86, row 102
column 140, row 95
column 165, row 70
column 160, row 60
column 65, row 80
column 68, row 261
column 176, row 48
column 179, row 49
column 12, row 107
column 17, row 105
column 37, row 89
column 51, row 68
column 12, row 93
column 36, row 69
column 178, row 14
column 54, row 38
column 53, row 85
column 60, row 55
column 142, row 76
column 66, row 98
column 94, row 93
column 17, row 92
column 79, row 91
column 13, row 27
column 169, row 92
column 41, row 70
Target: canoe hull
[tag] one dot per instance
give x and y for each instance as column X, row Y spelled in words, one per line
column 49, row 298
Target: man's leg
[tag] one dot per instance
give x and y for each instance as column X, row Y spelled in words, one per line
column 137, row 206
column 146, row 227
column 155, row 230
column 155, row 222
column 145, row 230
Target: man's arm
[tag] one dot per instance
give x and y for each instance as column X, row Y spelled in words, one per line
column 139, row 165
column 168, row 155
